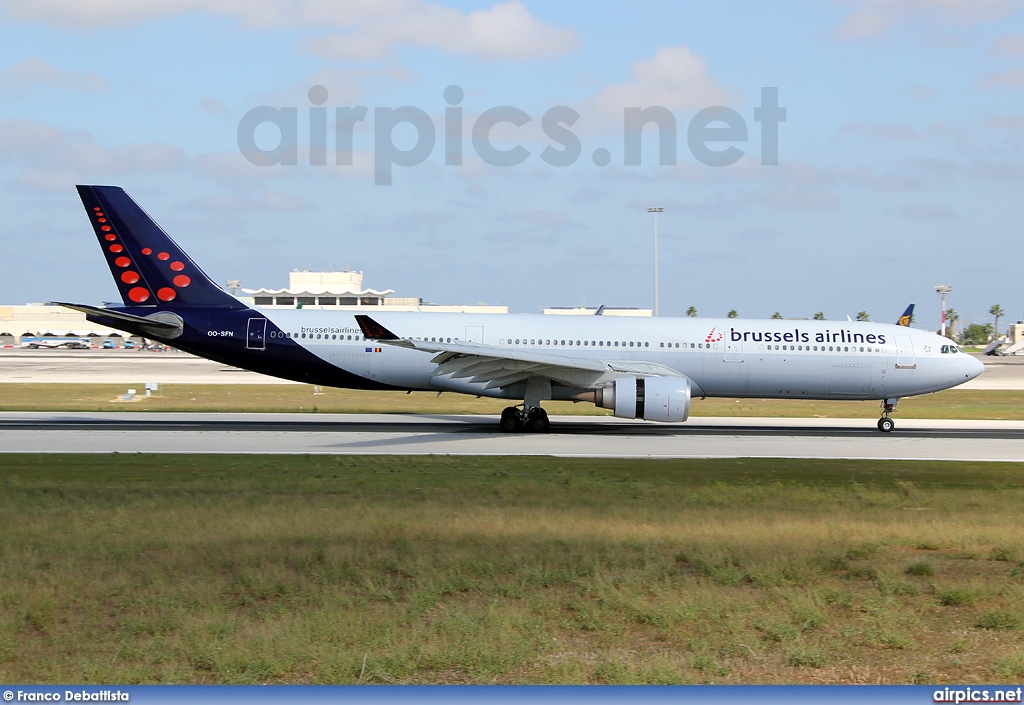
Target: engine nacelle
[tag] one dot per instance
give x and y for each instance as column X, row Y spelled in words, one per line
column 648, row 398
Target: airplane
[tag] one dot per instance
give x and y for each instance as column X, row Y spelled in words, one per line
column 53, row 343
column 640, row 368
column 907, row 318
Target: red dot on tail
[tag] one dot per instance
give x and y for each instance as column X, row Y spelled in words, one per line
column 166, row 294
column 105, row 228
column 147, row 251
column 96, row 208
column 122, row 261
column 177, row 266
column 182, row 281
column 110, row 237
column 138, row 294
column 116, row 248
column 102, row 220
column 129, row 277
column 163, row 255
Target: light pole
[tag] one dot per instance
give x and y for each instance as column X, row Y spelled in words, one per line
column 655, row 211
column 942, row 290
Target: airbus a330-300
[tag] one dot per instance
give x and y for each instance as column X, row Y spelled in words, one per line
column 640, row 368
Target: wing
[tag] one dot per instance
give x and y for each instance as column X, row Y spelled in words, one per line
column 495, row 366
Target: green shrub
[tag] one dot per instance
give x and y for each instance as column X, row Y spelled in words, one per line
column 1002, row 553
column 999, row 619
column 921, row 568
column 813, row 657
column 956, row 597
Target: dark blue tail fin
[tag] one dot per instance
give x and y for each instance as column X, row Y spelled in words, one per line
column 147, row 265
column 907, row 318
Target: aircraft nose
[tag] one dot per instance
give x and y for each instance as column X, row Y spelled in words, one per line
column 974, row 367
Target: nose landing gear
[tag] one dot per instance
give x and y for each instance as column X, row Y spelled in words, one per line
column 886, row 424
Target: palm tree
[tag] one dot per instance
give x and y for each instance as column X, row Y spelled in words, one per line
column 777, row 315
column 732, row 314
column 952, row 317
column 863, row 316
column 819, row 316
column 998, row 312
column 692, row 312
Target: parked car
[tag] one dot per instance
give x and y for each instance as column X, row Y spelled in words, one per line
column 109, row 344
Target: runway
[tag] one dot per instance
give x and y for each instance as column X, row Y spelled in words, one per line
column 599, row 437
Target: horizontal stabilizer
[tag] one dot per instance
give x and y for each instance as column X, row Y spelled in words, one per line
column 163, row 323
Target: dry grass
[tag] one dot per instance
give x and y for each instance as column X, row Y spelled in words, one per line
column 952, row 404
column 523, row 570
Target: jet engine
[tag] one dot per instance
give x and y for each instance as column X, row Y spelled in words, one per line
column 648, row 398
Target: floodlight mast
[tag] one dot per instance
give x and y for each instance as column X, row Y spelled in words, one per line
column 943, row 290
column 655, row 210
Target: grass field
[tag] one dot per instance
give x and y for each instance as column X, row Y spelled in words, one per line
column 952, row 404
column 257, row 569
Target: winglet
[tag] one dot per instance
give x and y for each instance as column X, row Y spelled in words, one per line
column 373, row 330
column 908, row 316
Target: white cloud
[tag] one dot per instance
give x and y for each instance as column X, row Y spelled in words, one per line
column 34, row 72
column 214, row 107
column 371, row 28
column 1011, row 45
column 1011, row 78
column 869, row 19
column 674, row 78
column 877, row 131
column 923, row 210
column 268, row 200
column 505, row 31
column 51, row 156
column 1013, row 123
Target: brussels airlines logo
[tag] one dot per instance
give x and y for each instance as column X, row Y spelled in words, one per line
column 796, row 336
column 713, row 337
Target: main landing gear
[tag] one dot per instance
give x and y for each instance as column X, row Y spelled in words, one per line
column 886, row 424
column 533, row 419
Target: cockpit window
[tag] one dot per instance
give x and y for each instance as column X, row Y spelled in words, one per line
column 944, row 350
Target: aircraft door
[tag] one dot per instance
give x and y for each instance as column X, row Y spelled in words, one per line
column 474, row 334
column 734, row 351
column 256, row 336
column 905, row 353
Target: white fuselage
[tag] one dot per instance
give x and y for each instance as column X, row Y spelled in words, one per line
column 722, row 357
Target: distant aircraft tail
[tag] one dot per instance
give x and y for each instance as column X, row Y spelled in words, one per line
column 147, row 265
column 907, row 318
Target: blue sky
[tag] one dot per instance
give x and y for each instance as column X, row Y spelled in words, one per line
column 900, row 162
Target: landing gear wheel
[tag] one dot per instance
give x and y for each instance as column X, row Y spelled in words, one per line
column 538, row 421
column 510, row 420
column 885, row 424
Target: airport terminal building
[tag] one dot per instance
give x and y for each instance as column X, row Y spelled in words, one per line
column 334, row 291
column 321, row 291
